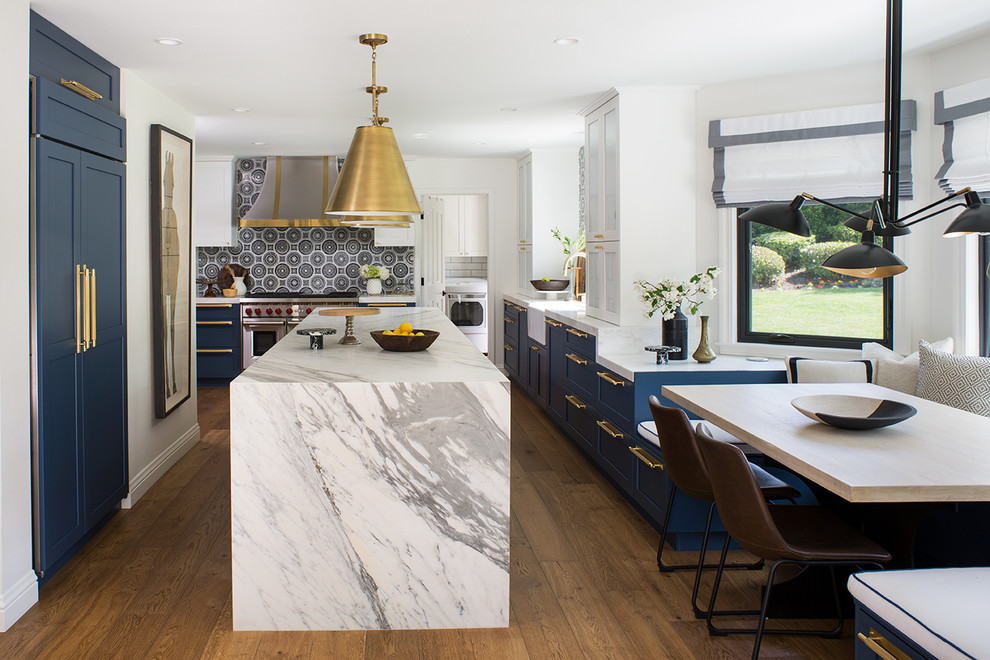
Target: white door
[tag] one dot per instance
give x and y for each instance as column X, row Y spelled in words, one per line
column 430, row 253
column 453, row 246
column 474, row 225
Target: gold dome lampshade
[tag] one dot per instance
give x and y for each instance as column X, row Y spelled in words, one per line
column 374, row 181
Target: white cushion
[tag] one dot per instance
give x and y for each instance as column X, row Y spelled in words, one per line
column 804, row 370
column 943, row 610
column 960, row 381
column 896, row 371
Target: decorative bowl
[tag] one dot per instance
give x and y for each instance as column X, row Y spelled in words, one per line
column 550, row 285
column 853, row 412
column 405, row 343
column 230, row 293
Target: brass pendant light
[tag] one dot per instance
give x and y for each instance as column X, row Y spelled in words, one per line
column 374, row 181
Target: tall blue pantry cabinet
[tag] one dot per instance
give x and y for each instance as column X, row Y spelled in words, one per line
column 78, row 318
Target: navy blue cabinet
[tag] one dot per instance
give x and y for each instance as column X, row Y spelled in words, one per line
column 218, row 343
column 78, row 312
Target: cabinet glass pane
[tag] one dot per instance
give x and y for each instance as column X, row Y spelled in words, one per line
column 593, row 180
column 525, row 269
column 611, row 271
column 594, row 279
column 611, row 140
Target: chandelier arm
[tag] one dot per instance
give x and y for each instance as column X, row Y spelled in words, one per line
column 930, row 215
column 834, row 206
column 900, row 221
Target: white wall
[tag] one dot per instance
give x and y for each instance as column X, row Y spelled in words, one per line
column 154, row 444
column 18, row 585
column 495, row 177
column 556, row 179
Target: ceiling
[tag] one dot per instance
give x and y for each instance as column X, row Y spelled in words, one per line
column 454, row 67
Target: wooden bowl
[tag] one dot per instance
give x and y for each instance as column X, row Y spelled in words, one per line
column 230, row 293
column 550, row 285
column 405, row 343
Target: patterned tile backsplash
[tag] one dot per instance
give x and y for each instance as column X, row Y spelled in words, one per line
column 301, row 259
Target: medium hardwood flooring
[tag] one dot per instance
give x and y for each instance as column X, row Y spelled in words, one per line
column 155, row 582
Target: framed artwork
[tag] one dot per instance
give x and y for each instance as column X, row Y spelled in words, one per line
column 171, row 280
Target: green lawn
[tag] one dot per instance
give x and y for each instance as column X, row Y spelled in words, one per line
column 836, row 312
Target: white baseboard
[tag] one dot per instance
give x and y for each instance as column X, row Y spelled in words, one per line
column 151, row 473
column 17, row 600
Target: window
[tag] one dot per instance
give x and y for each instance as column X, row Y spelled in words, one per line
column 786, row 297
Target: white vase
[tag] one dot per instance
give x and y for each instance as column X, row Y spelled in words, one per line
column 374, row 286
column 239, row 286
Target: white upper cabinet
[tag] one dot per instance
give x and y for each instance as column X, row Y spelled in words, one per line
column 465, row 225
column 602, row 172
column 524, row 229
column 213, row 202
column 396, row 236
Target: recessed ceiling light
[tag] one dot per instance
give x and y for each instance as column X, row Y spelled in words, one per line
column 508, row 109
column 566, row 41
column 169, row 41
column 421, row 136
column 259, row 144
column 241, row 109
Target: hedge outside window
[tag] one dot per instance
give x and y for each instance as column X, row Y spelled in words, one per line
column 786, row 297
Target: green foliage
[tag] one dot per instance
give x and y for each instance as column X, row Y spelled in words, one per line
column 786, row 244
column 570, row 247
column 767, row 265
column 813, row 255
column 826, row 223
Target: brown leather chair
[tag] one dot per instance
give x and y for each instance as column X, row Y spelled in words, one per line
column 801, row 535
column 684, row 465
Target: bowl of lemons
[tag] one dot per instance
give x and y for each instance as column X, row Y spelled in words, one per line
column 405, row 338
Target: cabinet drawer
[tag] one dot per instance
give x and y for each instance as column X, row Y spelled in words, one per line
column 511, row 310
column 650, row 481
column 616, row 396
column 579, row 341
column 218, row 334
column 72, row 119
column 579, row 372
column 580, row 417
column 871, row 626
column 218, row 362
column 613, row 449
column 218, row 312
column 511, row 358
column 511, row 327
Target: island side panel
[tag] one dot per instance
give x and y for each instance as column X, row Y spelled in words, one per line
column 370, row 506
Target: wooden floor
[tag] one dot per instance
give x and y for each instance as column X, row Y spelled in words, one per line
column 155, row 582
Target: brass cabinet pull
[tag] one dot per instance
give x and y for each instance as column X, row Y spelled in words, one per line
column 599, row 247
column 80, row 88
column 519, row 309
column 507, row 319
column 212, row 305
column 577, row 333
column 576, row 402
column 92, row 307
column 534, row 348
column 609, row 378
column 882, row 646
column 507, row 303
column 508, row 348
column 214, row 350
column 611, row 430
column 80, row 345
column 86, row 308
column 522, row 249
column 552, row 323
column 641, row 454
column 599, row 235
column 577, row 359
column 214, row 322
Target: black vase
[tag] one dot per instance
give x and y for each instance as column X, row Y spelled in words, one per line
column 675, row 333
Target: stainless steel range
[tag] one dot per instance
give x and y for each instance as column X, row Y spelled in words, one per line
column 267, row 317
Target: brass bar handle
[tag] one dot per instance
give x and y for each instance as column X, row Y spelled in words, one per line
column 611, row 430
column 873, row 642
column 577, row 333
column 519, row 309
column 86, row 308
column 522, row 249
column 80, row 346
column 599, row 247
column 552, row 323
column 576, row 402
column 92, row 305
column 599, row 235
column 214, row 350
column 641, row 454
column 80, row 88
column 534, row 348
column 214, row 322
column 576, row 359
column 507, row 319
column 612, row 380
column 198, row 305
column 507, row 347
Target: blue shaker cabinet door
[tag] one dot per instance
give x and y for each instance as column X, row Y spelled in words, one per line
column 104, row 377
column 58, row 462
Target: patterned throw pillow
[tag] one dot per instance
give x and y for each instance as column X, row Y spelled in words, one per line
column 896, row 371
column 805, row 370
column 960, row 381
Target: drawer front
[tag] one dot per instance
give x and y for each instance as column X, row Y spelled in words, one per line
column 218, row 334
column 579, row 373
column 67, row 117
column 579, row 341
column 218, row 312
column 218, row 362
column 650, row 481
column 616, row 396
column 581, row 418
column 613, row 450
column 511, row 327
column 878, row 632
column 511, row 310
column 511, row 358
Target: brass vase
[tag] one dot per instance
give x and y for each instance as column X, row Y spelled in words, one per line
column 704, row 353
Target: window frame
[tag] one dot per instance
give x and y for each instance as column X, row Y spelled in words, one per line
column 984, row 275
column 744, row 311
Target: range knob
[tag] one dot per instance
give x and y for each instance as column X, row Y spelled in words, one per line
column 309, row 310
column 278, row 310
column 268, row 311
column 248, row 311
column 288, row 311
column 257, row 311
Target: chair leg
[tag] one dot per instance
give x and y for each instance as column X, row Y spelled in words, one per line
column 763, row 611
column 698, row 612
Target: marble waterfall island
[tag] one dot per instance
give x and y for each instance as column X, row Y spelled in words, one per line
column 369, row 489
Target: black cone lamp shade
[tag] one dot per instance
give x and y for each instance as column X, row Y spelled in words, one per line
column 786, row 217
column 974, row 220
column 865, row 259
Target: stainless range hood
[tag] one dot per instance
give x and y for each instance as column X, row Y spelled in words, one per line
column 295, row 193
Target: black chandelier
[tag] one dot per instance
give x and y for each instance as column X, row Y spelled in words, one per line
column 866, row 259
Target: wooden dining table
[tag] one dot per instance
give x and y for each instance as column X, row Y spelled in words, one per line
column 941, row 454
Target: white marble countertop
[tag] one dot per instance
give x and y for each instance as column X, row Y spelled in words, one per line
column 389, row 298
column 218, row 300
column 451, row 358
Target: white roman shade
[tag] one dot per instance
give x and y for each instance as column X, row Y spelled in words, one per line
column 964, row 112
column 834, row 153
